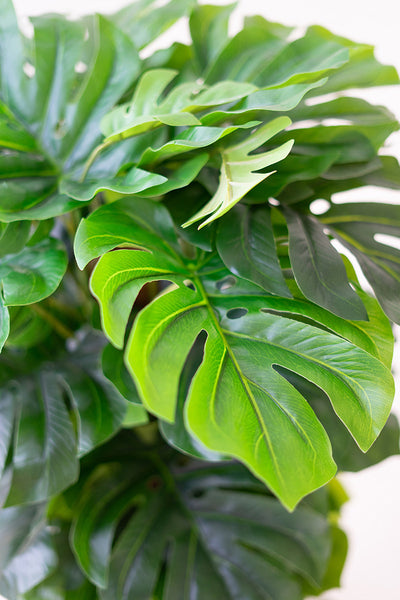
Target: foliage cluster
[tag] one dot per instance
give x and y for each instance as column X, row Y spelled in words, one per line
column 154, row 444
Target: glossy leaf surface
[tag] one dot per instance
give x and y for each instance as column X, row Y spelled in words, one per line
column 57, row 410
column 248, row 335
column 50, row 121
column 216, row 528
column 27, row 555
column 318, row 268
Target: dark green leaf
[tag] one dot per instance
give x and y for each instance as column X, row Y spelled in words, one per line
column 49, row 122
column 357, row 226
column 215, row 532
column 318, row 268
column 27, row 555
column 57, row 410
column 245, row 243
column 32, row 274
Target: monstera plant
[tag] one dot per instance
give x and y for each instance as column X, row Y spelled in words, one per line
column 187, row 358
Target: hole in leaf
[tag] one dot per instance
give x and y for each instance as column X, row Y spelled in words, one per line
column 80, row 67
column 127, row 516
column 319, row 207
column 274, row 202
column 190, row 284
column 236, row 313
column 296, row 317
column 226, row 283
column 29, row 70
column 387, row 240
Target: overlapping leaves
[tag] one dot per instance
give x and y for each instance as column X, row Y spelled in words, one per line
column 52, row 412
column 237, row 403
column 214, row 531
column 52, row 98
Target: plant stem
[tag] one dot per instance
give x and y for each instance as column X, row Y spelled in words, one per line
column 59, row 327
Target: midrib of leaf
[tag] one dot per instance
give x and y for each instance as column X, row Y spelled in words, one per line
column 242, row 377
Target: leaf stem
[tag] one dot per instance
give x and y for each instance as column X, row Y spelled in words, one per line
column 98, row 150
column 56, row 324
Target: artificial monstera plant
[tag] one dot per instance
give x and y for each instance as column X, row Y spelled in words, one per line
column 187, row 358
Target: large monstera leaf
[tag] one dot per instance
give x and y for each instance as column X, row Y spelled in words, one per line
column 54, row 91
column 197, row 530
column 53, row 410
column 237, row 404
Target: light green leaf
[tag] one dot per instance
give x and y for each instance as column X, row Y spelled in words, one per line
column 147, row 110
column 4, row 322
column 238, row 174
column 209, row 32
column 248, row 335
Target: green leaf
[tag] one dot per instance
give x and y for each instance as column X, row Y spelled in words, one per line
column 134, row 182
column 56, row 411
column 318, row 268
column 260, row 54
column 346, row 453
column 67, row 581
column 4, row 323
column 145, row 20
column 248, row 335
column 27, row 555
column 49, row 122
column 14, row 237
column 245, row 243
column 361, row 69
column 357, row 226
column 209, row 32
column 238, row 174
column 147, row 111
column 192, row 138
column 224, row 534
column 28, row 328
column 112, row 363
column 32, row 274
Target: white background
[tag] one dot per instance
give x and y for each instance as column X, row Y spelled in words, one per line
column 372, row 517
